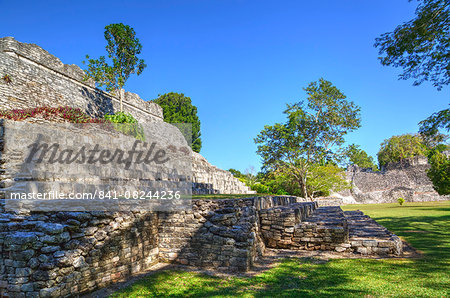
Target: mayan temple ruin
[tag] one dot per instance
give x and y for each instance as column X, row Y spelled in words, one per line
column 69, row 253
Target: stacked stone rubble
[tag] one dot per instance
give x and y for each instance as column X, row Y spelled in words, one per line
column 301, row 228
column 367, row 237
column 61, row 254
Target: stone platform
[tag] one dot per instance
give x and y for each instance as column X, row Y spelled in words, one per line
column 62, row 254
column 328, row 229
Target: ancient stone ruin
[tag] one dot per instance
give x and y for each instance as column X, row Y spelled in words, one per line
column 67, row 253
column 53, row 254
column 407, row 180
column 38, row 79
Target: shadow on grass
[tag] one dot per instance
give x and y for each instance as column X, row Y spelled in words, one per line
column 306, row 277
column 443, row 209
column 434, row 241
column 293, row 277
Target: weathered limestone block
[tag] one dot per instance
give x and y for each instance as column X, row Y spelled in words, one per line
column 31, row 68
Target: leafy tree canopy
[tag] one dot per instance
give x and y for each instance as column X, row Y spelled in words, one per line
column 178, row 108
column 123, row 48
column 359, row 157
column 312, row 135
column 429, row 128
column 324, row 178
column 421, row 46
column 439, row 172
column 399, row 148
column 236, row 173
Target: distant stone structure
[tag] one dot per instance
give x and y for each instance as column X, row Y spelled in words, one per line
column 36, row 78
column 407, row 180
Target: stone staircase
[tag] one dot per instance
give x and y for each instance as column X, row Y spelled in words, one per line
column 366, row 236
column 324, row 229
column 328, row 229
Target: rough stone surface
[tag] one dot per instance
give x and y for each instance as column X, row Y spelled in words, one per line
column 31, row 265
column 408, row 180
column 303, row 227
column 208, row 179
column 41, row 79
column 368, row 237
column 115, row 245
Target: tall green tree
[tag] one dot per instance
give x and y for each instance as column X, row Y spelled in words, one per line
column 421, row 47
column 397, row 149
column 429, row 128
column 359, row 157
column 178, row 108
column 312, row 135
column 439, row 172
column 123, row 48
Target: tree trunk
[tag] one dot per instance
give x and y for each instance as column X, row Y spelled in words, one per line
column 121, row 99
column 304, row 190
column 303, row 187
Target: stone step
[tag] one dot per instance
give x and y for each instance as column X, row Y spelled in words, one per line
column 366, row 236
column 326, row 228
column 327, row 216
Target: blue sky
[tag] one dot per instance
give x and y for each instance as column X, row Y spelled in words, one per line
column 242, row 61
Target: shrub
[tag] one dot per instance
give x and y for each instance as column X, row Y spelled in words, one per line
column 401, row 201
column 260, row 188
column 126, row 124
column 439, row 172
column 120, row 117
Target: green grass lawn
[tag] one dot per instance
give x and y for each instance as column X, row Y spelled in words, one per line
column 426, row 226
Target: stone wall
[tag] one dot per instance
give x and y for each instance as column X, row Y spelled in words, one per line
column 209, row 179
column 297, row 227
column 222, row 234
column 41, row 79
column 61, row 254
column 408, row 180
column 84, row 177
column 303, row 226
column 54, row 254
column 78, row 178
